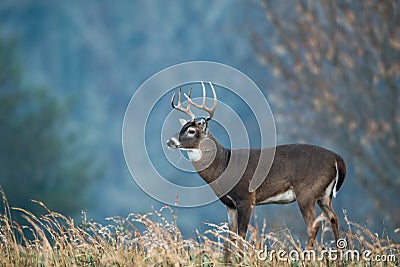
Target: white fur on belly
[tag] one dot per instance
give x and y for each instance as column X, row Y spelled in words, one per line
column 283, row 198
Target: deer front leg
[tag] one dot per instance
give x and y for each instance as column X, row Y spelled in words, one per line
column 244, row 210
column 233, row 227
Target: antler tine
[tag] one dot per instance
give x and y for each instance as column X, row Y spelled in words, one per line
column 203, row 103
column 179, row 105
column 212, row 109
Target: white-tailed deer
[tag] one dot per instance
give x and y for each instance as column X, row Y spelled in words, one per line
column 304, row 173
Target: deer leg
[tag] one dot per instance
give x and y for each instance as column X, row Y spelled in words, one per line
column 308, row 212
column 326, row 206
column 233, row 227
column 243, row 212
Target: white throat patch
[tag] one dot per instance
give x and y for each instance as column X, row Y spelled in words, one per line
column 193, row 154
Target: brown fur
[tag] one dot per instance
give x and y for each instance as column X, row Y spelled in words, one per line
column 306, row 169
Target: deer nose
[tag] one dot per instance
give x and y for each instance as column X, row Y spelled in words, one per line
column 173, row 143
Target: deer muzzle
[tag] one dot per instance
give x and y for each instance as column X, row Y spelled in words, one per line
column 173, row 143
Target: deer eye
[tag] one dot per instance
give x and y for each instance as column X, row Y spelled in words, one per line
column 191, row 131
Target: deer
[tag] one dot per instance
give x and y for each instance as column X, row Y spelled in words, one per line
column 305, row 173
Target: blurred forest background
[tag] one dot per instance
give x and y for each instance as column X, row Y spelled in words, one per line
column 330, row 70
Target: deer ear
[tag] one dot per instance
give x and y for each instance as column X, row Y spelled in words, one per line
column 204, row 125
column 182, row 121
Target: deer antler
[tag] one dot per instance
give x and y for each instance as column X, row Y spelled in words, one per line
column 190, row 101
column 179, row 106
column 203, row 104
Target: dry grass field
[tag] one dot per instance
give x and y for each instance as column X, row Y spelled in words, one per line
column 153, row 239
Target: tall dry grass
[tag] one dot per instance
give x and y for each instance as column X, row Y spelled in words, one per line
column 153, row 239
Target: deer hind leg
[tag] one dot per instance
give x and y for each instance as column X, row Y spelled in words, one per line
column 325, row 204
column 307, row 209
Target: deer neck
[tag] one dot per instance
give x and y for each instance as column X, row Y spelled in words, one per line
column 211, row 159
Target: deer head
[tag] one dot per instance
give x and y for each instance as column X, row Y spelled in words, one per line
column 196, row 129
